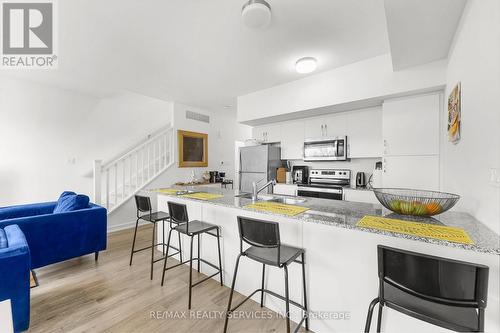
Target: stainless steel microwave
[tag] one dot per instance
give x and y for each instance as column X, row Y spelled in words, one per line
column 326, row 149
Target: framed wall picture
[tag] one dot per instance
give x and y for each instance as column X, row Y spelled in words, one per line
column 454, row 114
column 193, row 149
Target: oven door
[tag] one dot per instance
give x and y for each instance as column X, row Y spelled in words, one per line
column 320, row 192
column 325, row 149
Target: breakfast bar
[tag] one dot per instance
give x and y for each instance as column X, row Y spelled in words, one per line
column 340, row 252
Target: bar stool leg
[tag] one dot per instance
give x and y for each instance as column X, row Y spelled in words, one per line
column 153, row 249
column 287, row 300
column 220, row 260
column 262, row 293
column 305, row 292
column 163, row 234
column 231, row 293
column 133, row 242
column 180, row 246
column 199, row 261
column 369, row 315
column 166, row 257
column 379, row 320
column 190, row 271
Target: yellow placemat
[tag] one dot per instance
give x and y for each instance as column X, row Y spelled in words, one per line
column 277, row 208
column 450, row 234
column 168, row 190
column 202, row 196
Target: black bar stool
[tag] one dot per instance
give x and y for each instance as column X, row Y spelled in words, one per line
column 179, row 216
column 266, row 248
column 444, row 292
column 143, row 205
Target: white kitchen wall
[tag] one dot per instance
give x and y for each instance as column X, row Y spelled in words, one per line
column 365, row 80
column 365, row 165
column 223, row 131
column 474, row 61
column 50, row 136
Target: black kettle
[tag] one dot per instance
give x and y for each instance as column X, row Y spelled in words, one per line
column 360, row 179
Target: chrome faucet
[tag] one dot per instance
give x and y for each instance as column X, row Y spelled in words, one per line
column 256, row 191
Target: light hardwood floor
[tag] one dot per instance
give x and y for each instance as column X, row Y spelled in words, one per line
column 81, row 295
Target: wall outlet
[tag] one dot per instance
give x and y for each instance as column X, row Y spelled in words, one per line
column 72, row 160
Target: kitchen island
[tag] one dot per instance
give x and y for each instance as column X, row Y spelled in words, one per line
column 341, row 258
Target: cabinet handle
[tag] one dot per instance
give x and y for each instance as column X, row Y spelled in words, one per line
column 322, row 130
column 326, row 130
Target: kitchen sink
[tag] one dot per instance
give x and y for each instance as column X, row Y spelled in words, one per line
column 260, row 197
column 289, row 201
column 273, row 198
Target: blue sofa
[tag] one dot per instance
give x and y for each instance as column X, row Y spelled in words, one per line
column 14, row 274
column 55, row 237
column 50, row 238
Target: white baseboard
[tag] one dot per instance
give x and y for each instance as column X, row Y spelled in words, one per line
column 123, row 226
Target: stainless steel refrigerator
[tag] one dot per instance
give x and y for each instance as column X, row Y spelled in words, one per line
column 258, row 164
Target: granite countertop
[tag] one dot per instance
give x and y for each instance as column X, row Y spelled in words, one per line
column 346, row 214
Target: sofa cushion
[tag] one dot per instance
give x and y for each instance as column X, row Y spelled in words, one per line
column 70, row 201
column 3, row 239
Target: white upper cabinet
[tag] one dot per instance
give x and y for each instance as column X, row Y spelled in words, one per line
column 314, row 128
column 328, row 126
column 268, row 133
column 411, row 125
column 364, row 133
column 292, row 140
column 336, row 125
column 416, row 172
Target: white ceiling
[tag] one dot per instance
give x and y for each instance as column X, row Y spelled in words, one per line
column 421, row 31
column 198, row 52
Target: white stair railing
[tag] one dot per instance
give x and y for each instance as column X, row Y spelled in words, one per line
column 117, row 181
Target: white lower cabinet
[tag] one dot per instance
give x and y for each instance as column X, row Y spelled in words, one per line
column 367, row 196
column 416, row 172
column 285, row 189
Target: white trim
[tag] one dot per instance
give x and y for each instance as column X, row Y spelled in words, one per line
column 123, row 226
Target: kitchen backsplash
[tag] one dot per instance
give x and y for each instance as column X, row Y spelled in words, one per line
column 365, row 165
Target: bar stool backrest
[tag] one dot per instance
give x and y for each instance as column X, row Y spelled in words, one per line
column 178, row 213
column 433, row 289
column 143, row 204
column 259, row 233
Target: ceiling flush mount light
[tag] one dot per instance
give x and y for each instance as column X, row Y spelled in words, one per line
column 306, row 65
column 256, row 14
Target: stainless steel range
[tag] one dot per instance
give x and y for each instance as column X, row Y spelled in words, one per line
column 326, row 184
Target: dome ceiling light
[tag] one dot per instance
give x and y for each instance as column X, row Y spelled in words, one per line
column 306, row 65
column 256, row 14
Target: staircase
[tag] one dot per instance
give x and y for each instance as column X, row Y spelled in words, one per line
column 117, row 181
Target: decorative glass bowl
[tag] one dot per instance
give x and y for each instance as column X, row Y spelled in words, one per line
column 415, row 202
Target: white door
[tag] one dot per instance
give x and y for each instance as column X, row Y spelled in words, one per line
column 258, row 133
column 273, row 133
column 416, row 172
column 267, row 133
column 411, row 125
column 314, row 128
column 364, row 133
column 292, row 140
column 336, row 125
